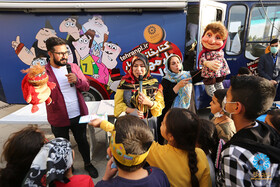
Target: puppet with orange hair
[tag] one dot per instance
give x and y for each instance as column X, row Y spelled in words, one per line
column 211, row 58
column 36, row 87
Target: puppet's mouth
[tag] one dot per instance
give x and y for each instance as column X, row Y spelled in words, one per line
column 38, row 81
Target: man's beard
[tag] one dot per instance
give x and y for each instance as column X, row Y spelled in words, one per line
column 59, row 62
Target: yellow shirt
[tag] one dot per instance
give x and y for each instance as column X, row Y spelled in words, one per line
column 174, row 162
column 120, row 105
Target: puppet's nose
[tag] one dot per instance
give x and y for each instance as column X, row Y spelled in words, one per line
column 211, row 40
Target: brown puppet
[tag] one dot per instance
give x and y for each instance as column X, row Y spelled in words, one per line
column 36, row 87
column 211, row 58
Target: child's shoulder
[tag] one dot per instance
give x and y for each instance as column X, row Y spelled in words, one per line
column 200, row 153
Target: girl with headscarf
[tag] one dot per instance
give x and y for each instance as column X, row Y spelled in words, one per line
column 177, row 88
column 129, row 100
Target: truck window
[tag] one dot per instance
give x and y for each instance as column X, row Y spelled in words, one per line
column 264, row 25
column 237, row 16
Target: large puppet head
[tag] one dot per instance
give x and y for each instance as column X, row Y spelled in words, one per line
column 214, row 36
column 37, row 75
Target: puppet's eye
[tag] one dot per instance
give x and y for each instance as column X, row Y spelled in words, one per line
column 218, row 37
column 209, row 35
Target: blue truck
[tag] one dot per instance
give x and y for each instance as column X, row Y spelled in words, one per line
column 102, row 36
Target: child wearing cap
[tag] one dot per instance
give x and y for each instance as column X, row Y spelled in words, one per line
column 181, row 161
column 129, row 146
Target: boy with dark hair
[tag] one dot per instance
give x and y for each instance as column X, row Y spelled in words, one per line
column 251, row 157
column 129, row 146
column 273, row 119
column 244, row 71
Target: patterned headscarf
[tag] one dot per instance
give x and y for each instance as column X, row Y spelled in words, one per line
column 130, row 84
column 184, row 94
column 50, row 164
column 129, row 81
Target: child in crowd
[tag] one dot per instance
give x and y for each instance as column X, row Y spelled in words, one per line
column 52, row 167
column 208, row 141
column 251, row 157
column 129, row 145
column 224, row 124
column 183, row 164
column 241, row 71
column 19, row 151
column 273, row 119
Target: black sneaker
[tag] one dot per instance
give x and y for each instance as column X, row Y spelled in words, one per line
column 91, row 170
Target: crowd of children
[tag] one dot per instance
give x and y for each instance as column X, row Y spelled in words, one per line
column 233, row 149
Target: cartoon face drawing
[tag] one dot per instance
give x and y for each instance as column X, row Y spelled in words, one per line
column 43, row 35
column 71, row 26
column 110, row 53
column 97, row 24
column 82, row 45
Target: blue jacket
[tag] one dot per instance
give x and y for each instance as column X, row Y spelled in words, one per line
column 266, row 67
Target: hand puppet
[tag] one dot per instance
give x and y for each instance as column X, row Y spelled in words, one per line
column 35, row 86
column 211, row 58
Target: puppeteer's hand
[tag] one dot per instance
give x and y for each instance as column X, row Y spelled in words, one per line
column 96, row 122
column 213, row 65
column 144, row 100
column 110, row 172
column 183, row 82
column 273, row 82
column 71, row 78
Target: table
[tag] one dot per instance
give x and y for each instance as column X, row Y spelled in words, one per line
column 24, row 116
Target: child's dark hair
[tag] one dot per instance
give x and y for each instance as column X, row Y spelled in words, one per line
column 255, row 93
column 220, row 94
column 244, row 71
column 275, row 118
column 135, row 136
column 19, row 151
column 184, row 126
column 208, row 139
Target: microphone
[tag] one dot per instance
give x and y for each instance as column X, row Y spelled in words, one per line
column 140, row 83
column 68, row 67
column 141, row 89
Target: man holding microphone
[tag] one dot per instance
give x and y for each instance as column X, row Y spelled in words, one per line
column 68, row 103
